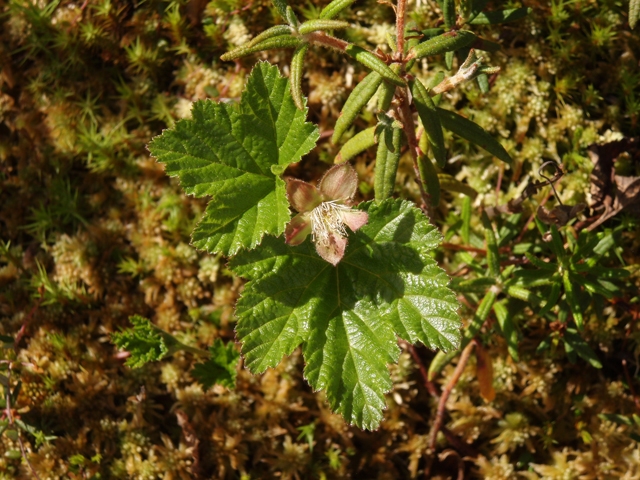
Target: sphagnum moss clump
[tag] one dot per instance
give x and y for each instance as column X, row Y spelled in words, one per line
column 91, row 233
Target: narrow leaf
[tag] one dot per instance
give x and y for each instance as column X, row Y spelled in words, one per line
column 509, row 332
column 430, row 119
column 441, row 360
column 371, row 61
column 320, row 24
column 231, row 152
column 500, row 16
column 282, row 41
column 634, row 13
column 449, row 13
column 281, row 6
column 578, row 344
column 275, row 31
column 481, row 315
column 359, row 97
column 447, row 42
column 449, row 183
column 334, row 8
column 347, row 317
column 472, row 132
column 465, row 231
column 297, row 71
column 387, row 91
column 356, row 145
column 572, row 300
column 387, row 163
column 493, row 256
column 429, row 179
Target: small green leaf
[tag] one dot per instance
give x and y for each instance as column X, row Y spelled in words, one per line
column 509, row 332
column 334, row 8
column 572, row 299
column 359, row 97
column 449, row 13
column 297, row 67
column 493, row 256
column 356, row 145
column 441, row 360
column 428, row 114
column 481, row 315
column 275, row 31
column 347, row 317
column 229, row 152
column 465, row 231
column 282, row 41
column 387, row 91
column 574, row 342
column 321, row 24
column 473, row 132
column 429, row 179
column 281, row 6
column 387, row 160
column 144, row 342
column 447, row 42
column 500, row 16
column 220, row 368
column 551, row 299
column 451, row 184
column 371, row 61
column 634, row 13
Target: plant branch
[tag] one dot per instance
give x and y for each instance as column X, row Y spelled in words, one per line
column 321, row 38
column 446, row 392
column 401, row 17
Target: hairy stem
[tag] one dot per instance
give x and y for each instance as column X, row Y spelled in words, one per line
column 401, row 17
column 321, row 38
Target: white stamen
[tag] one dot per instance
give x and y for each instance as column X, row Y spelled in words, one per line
column 326, row 219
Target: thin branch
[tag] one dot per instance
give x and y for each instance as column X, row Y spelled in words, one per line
column 401, row 17
column 321, row 38
column 446, row 392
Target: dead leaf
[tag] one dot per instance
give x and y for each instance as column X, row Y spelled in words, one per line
column 560, row 215
column 484, row 371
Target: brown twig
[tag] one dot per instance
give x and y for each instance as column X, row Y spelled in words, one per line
column 446, row 392
column 401, row 17
column 431, row 387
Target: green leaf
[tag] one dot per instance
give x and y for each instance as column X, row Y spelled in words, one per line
column 334, row 8
column 449, row 13
column 447, row 42
column 634, row 13
column 356, row 145
column 373, row 62
column 235, row 154
column 387, row 160
column 145, row 342
column 359, row 97
column 500, row 16
column 295, row 77
column 271, row 43
column 472, row 132
column 430, row 120
column 220, row 368
column 281, row 6
column 573, row 342
column 347, row 317
column 321, row 24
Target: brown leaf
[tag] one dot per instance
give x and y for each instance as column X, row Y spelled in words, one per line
column 484, row 371
column 560, row 215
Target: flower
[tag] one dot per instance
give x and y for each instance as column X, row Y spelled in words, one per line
column 325, row 212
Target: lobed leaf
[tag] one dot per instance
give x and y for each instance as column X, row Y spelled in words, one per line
column 347, row 317
column 221, row 368
column 234, row 154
